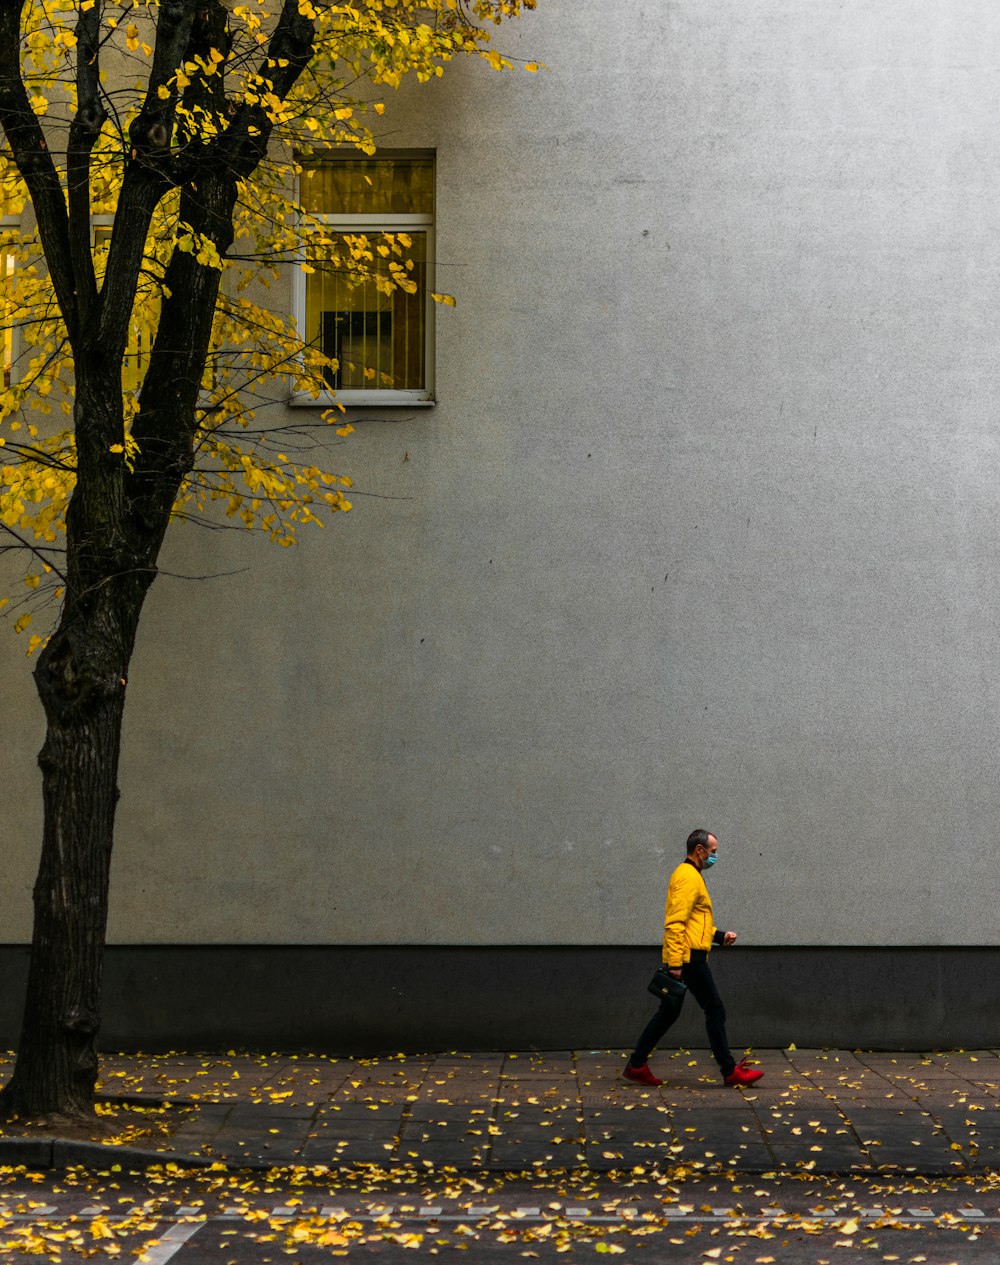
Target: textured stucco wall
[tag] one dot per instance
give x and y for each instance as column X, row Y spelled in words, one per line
column 702, row 529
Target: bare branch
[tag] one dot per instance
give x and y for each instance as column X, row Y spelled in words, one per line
column 37, row 551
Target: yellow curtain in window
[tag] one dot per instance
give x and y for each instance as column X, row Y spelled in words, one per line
column 351, row 186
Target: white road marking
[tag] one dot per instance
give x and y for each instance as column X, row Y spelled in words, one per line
column 187, row 1219
column 169, row 1244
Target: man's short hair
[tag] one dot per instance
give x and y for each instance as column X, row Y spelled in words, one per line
column 698, row 838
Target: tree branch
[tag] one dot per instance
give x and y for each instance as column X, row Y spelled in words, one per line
column 83, row 133
column 167, row 420
column 34, row 161
column 37, row 551
column 289, row 51
column 147, row 175
column 152, row 128
column 205, row 95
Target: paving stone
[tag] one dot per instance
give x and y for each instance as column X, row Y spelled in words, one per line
column 255, row 1113
column 375, row 1093
column 449, row 1111
column 550, row 1064
column 362, row 1108
column 252, row 1149
column 598, row 1132
column 774, row 1092
column 442, row 1155
column 820, row 1116
column 963, row 1117
column 749, row 1157
column 983, row 1159
column 265, row 1125
column 326, row 1150
column 823, row 1150
column 734, row 1121
column 707, row 1098
column 626, row 1152
column 905, row 1140
column 564, row 1094
column 194, row 1135
column 641, row 1118
column 532, row 1155
column 354, row 1129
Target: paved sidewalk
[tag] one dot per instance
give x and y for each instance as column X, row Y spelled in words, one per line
column 820, row 1111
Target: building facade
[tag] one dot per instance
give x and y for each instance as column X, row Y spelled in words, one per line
column 684, row 516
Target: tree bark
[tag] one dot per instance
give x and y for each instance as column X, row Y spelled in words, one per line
column 80, row 678
column 56, row 1068
column 117, row 516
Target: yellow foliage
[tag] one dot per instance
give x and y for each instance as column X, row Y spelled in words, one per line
column 359, row 50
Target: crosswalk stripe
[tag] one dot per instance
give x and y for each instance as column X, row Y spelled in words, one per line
column 441, row 1212
column 169, row 1244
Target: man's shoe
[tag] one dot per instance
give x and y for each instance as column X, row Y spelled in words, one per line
column 642, row 1075
column 743, row 1075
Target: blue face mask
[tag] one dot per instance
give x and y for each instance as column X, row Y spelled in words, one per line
column 711, row 859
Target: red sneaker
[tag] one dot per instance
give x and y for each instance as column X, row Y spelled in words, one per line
column 641, row 1075
column 743, row 1075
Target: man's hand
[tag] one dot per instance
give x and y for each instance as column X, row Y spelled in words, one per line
column 729, row 939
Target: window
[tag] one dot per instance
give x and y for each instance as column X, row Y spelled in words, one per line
column 379, row 219
column 10, row 224
column 7, row 262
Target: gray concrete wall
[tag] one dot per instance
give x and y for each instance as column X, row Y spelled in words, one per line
column 702, row 530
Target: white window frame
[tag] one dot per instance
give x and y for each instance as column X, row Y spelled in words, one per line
column 369, row 224
column 9, row 341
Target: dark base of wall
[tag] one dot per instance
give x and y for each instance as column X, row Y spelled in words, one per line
column 359, row 1000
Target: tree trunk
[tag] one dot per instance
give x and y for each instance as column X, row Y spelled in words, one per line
column 114, row 528
column 118, row 513
column 80, row 676
column 80, row 679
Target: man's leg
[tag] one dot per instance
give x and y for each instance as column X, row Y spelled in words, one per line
column 654, row 1031
column 699, row 980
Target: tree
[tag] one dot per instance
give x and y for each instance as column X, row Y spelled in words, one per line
column 183, row 123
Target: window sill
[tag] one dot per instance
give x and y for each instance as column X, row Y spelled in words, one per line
column 364, row 399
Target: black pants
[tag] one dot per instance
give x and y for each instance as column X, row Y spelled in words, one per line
column 702, row 988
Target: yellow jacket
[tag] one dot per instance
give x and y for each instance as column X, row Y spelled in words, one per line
column 687, row 921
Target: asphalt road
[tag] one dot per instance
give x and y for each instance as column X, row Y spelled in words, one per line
column 216, row 1219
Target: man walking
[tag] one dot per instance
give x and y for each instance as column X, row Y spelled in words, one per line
column 688, row 935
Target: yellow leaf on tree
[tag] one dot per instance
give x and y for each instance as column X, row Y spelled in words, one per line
column 237, row 473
